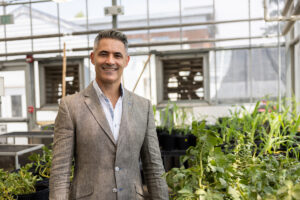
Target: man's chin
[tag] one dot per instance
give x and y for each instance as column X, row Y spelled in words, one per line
column 110, row 81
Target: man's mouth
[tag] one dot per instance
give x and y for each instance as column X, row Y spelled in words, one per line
column 109, row 68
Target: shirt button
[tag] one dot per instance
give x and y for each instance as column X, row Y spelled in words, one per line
column 114, row 190
column 117, row 169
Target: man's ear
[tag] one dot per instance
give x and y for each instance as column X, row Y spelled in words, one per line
column 92, row 57
column 128, row 58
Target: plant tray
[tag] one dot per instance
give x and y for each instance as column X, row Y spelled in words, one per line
column 12, row 156
column 34, row 137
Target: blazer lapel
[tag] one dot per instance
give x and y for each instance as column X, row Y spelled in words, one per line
column 126, row 110
column 93, row 104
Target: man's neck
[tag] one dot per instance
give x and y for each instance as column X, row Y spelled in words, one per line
column 111, row 91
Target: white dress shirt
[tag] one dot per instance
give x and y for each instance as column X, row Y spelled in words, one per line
column 113, row 116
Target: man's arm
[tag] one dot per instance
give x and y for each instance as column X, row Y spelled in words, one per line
column 62, row 154
column 152, row 162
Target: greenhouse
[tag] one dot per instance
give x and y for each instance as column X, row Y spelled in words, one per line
column 149, row 99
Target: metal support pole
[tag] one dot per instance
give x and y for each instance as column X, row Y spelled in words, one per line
column 249, row 78
column 88, row 37
column 180, row 22
column 17, row 166
column 114, row 17
column 64, row 70
column 148, row 38
column 215, row 55
column 30, row 87
column 58, row 25
column 4, row 28
column 279, row 58
column 148, row 24
column 31, row 29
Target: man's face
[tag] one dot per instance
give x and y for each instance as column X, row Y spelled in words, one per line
column 110, row 59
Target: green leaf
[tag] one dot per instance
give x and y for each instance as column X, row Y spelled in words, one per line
column 234, row 193
column 223, row 182
column 185, row 191
column 200, row 192
column 296, row 192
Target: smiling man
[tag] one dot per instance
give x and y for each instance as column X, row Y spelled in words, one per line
column 107, row 130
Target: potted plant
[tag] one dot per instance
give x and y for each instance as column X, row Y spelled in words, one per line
column 18, row 185
column 245, row 170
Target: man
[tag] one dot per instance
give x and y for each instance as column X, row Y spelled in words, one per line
column 107, row 129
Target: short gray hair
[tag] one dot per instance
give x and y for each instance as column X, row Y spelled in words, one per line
column 112, row 34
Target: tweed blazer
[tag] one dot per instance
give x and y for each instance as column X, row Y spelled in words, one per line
column 105, row 169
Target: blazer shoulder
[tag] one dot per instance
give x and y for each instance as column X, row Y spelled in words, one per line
column 71, row 98
column 138, row 98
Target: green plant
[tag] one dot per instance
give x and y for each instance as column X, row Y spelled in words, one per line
column 17, row 183
column 42, row 163
column 241, row 157
column 166, row 118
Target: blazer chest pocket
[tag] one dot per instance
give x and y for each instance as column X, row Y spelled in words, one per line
column 139, row 192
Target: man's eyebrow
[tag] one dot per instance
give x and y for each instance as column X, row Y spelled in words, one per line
column 118, row 53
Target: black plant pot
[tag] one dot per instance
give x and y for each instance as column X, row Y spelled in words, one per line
column 42, row 192
column 25, row 196
column 168, row 142
column 159, row 132
column 182, row 142
column 192, row 140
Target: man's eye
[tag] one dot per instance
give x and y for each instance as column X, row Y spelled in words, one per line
column 102, row 53
column 118, row 55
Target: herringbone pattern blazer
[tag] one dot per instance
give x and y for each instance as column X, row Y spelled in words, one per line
column 105, row 169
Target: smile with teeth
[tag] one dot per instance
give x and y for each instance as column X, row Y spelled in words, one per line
column 109, row 68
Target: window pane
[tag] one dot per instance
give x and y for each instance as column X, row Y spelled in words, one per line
column 132, row 73
column 265, row 72
column 257, row 9
column 232, row 75
column 196, row 11
column 21, row 26
column 164, row 12
column 13, row 104
column 44, row 18
column 97, row 19
column 193, row 33
column 133, row 15
column 16, row 105
column 231, row 9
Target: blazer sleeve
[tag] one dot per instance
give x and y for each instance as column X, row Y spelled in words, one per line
column 62, row 154
column 152, row 162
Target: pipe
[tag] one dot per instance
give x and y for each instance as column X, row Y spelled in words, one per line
column 143, row 53
column 12, row 120
column 287, row 6
column 127, row 29
column 294, row 41
column 292, row 18
column 290, row 24
column 138, row 45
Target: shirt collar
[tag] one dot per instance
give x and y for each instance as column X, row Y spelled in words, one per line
column 98, row 89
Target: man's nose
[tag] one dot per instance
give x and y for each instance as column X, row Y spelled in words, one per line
column 110, row 60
